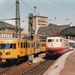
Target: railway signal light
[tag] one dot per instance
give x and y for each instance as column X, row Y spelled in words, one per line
column 30, row 19
column 30, row 29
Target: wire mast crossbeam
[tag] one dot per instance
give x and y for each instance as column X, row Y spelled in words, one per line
column 18, row 32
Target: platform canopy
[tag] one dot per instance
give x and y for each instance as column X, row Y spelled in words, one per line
column 70, row 31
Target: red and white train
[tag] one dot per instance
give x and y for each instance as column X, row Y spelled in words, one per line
column 56, row 45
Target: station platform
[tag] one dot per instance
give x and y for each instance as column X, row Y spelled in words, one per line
column 69, row 67
column 65, row 65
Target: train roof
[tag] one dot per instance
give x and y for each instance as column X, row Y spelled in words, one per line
column 72, row 41
column 15, row 39
column 54, row 37
column 11, row 39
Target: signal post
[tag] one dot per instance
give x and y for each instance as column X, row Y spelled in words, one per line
column 31, row 31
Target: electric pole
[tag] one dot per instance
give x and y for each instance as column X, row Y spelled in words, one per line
column 18, row 31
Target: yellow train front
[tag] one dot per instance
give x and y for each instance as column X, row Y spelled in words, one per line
column 12, row 49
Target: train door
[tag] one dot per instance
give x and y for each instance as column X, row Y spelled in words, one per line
column 37, row 47
column 30, row 47
column 42, row 47
column 21, row 50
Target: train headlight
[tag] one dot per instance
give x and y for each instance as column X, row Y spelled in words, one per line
column 8, row 53
column 0, row 53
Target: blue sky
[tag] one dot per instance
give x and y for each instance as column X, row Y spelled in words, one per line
column 57, row 11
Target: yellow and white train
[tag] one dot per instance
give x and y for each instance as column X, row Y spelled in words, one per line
column 14, row 49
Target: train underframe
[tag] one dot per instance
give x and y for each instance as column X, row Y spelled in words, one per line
column 56, row 51
column 11, row 61
column 52, row 53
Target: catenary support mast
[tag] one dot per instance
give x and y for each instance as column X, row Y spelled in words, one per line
column 18, row 32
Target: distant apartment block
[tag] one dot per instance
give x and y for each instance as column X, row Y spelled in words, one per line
column 39, row 21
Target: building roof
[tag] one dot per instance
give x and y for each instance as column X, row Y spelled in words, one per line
column 41, row 16
column 51, row 29
column 68, row 31
column 7, row 25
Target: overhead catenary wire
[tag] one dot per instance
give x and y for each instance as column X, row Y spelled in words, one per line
column 49, row 11
column 8, row 9
column 62, row 3
column 55, row 17
column 28, row 6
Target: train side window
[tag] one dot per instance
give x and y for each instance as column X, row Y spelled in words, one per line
column 32, row 44
column 24, row 45
column 37, row 45
column 60, row 40
column 21, row 44
column 56, row 40
column 14, row 46
column 53, row 40
column 43, row 45
column 28, row 45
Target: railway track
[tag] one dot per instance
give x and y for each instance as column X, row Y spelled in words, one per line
column 28, row 69
column 2, row 70
column 39, row 69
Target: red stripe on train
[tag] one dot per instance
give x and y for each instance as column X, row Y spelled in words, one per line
column 60, row 50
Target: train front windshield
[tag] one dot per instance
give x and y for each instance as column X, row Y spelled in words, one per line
column 7, row 46
column 50, row 40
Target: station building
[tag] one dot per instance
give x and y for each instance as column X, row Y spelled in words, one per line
column 8, row 30
column 50, row 30
column 42, row 32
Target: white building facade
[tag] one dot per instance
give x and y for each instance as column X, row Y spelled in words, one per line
column 39, row 21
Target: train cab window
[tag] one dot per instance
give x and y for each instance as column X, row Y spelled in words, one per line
column 49, row 40
column 13, row 46
column 7, row 46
